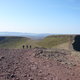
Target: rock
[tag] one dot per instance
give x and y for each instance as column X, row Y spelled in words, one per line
column 12, row 76
column 17, row 79
column 1, row 57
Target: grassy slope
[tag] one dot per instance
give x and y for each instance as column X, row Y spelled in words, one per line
column 52, row 41
column 48, row 42
column 12, row 42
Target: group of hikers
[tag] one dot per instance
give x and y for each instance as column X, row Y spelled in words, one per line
column 27, row 46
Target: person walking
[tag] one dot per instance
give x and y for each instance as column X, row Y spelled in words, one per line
column 23, row 46
column 27, row 46
column 30, row 46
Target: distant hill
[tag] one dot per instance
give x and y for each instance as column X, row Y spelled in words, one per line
column 29, row 35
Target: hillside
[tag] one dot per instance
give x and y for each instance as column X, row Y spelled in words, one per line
column 12, row 42
column 30, row 64
column 55, row 40
column 47, row 42
column 56, row 63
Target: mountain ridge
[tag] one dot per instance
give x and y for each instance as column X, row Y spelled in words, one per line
column 29, row 35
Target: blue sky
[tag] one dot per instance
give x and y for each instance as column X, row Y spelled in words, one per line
column 40, row 16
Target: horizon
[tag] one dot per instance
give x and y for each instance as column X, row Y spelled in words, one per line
column 40, row 33
column 40, row 16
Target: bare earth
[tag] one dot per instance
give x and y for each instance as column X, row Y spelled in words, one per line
column 32, row 64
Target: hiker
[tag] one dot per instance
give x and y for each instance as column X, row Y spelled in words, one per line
column 30, row 46
column 27, row 46
column 23, row 46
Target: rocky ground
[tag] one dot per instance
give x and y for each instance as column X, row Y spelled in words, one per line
column 38, row 64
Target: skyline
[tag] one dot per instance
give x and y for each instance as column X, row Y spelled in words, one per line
column 40, row 16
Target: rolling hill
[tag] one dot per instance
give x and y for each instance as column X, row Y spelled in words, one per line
column 48, row 42
column 12, row 42
column 54, row 40
column 34, row 36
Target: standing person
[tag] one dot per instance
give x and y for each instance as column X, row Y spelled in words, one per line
column 23, row 46
column 27, row 46
column 30, row 46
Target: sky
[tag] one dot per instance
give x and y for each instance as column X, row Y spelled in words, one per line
column 40, row 16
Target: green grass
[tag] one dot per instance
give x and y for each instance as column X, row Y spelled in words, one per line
column 52, row 41
column 12, row 42
column 48, row 42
